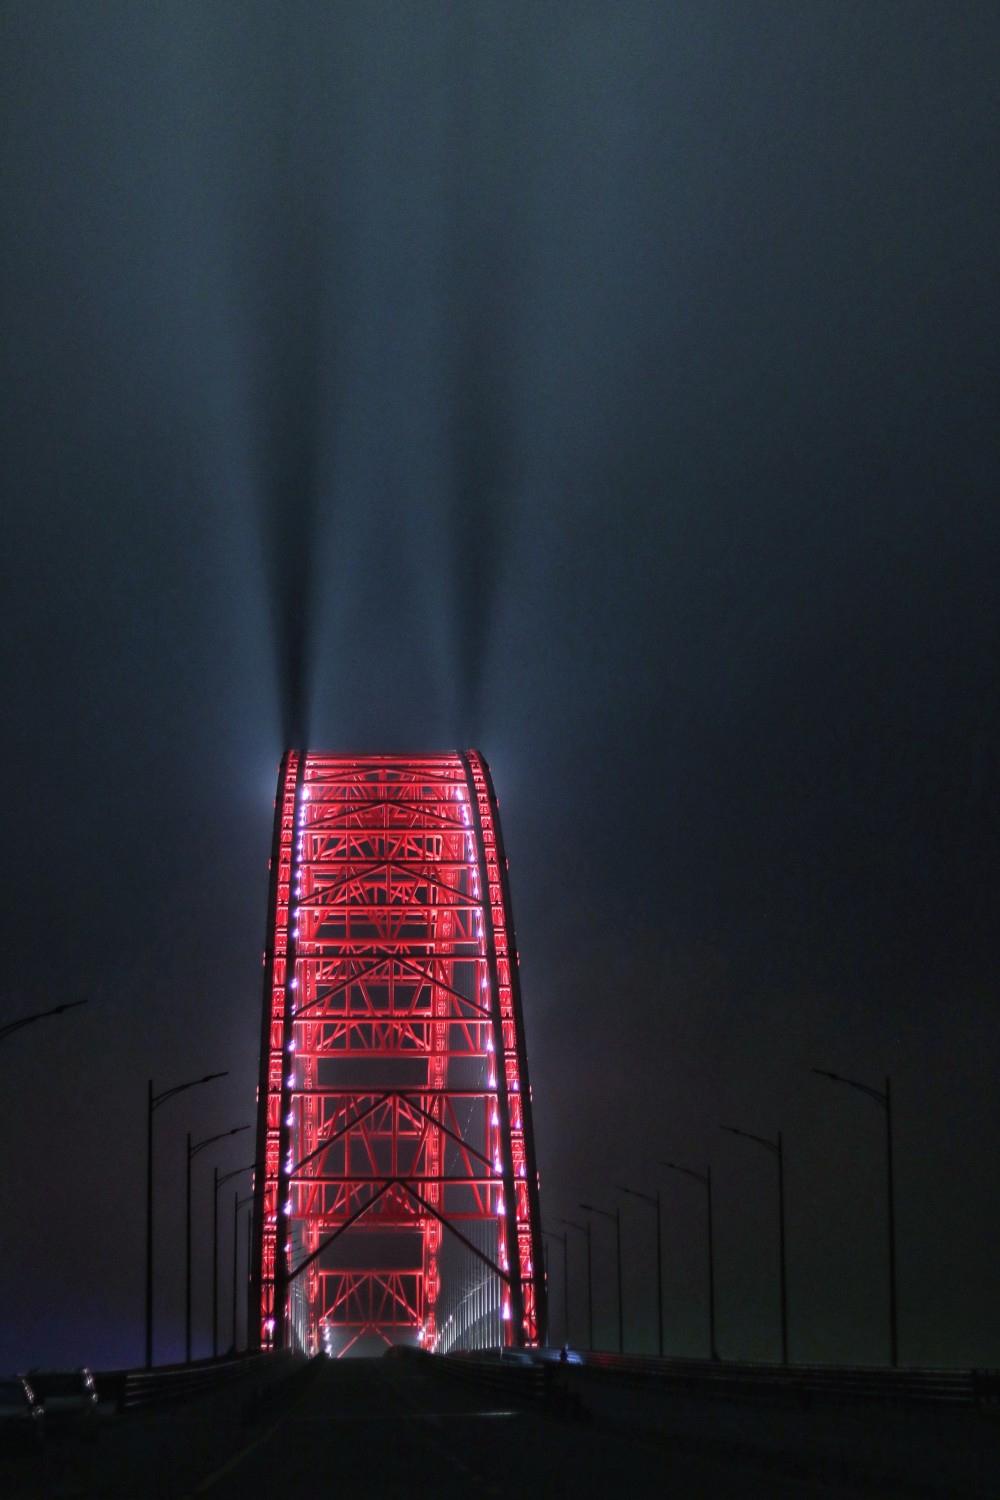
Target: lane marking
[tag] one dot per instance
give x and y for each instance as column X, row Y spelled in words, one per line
column 435, row 1430
column 237, row 1458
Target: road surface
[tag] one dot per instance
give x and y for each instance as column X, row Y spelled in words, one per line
column 379, row 1429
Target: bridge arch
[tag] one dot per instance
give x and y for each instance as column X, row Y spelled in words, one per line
column 396, row 1192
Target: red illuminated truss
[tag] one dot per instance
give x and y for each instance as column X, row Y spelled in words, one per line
column 397, row 1194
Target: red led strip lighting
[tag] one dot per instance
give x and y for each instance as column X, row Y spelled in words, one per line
column 274, row 1031
column 399, row 1194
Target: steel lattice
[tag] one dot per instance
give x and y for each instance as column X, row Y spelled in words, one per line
column 396, row 1193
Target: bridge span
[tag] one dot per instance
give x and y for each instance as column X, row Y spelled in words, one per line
column 396, row 1190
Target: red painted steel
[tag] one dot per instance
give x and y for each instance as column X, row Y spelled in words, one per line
column 399, row 1193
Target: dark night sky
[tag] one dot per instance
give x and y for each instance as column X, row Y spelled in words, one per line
column 611, row 387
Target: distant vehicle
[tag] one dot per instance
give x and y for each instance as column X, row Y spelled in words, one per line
column 69, row 1400
column 22, row 1419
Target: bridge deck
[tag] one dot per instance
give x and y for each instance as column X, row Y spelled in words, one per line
column 392, row 1427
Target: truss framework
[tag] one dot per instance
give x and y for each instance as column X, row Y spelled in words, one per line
column 394, row 1106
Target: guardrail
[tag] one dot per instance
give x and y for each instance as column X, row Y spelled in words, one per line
column 744, row 1381
column 543, row 1376
column 131, row 1390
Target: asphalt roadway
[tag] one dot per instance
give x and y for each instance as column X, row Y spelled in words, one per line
column 377, row 1428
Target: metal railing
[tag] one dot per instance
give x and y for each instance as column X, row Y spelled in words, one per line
column 130, row 1390
column 744, row 1381
column 543, row 1375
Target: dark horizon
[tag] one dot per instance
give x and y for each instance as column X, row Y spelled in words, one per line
column 615, row 393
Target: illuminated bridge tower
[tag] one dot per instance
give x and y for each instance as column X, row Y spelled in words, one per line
column 396, row 1196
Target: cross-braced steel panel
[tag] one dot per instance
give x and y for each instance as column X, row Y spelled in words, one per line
column 396, row 1194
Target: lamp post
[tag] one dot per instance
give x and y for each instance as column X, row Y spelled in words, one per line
column 585, row 1229
column 250, row 1308
column 153, row 1102
column 616, row 1219
column 563, row 1239
column 884, row 1100
column 218, row 1181
column 775, row 1149
column 239, row 1203
column 705, row 1178
column 655, row 1204
column 40, row 1015
column 192, row 1152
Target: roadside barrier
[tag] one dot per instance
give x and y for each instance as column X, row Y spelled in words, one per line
column 132, row 1390
column 543, row 1377
column 796, row 1383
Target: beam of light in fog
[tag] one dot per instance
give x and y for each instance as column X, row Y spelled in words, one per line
column 485, row 185
column 290, row 432
column 373, row 487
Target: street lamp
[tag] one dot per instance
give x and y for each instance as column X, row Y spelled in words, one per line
column 616, row 1219
column 41, row 1015
column 655, row 1204
column 153, row 1102
column 776, row 1150
column 239, row 1203
column 563, row 1240
column 585, row 1229
column 192, row 1152
column 705, row 1178
column 227, row 1177
column 885, row 1101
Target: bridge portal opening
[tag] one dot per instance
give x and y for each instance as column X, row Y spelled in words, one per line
column 396, row 1192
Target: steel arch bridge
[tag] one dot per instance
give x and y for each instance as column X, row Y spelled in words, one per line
column 396, row 1191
